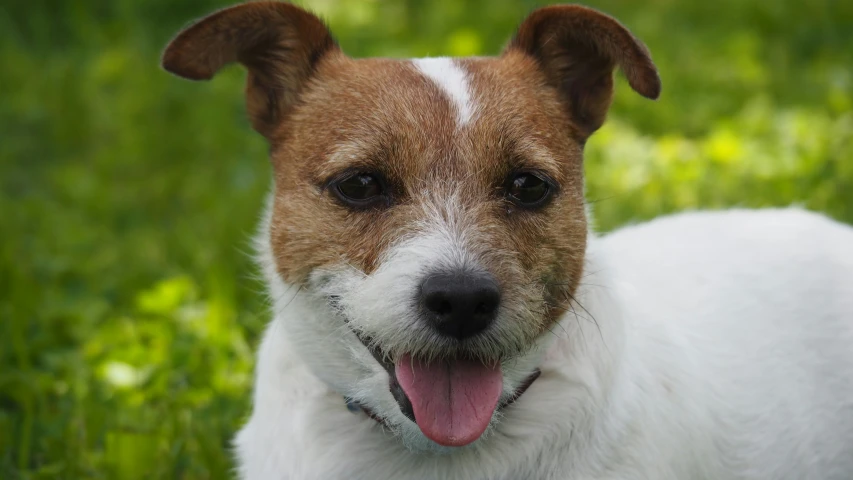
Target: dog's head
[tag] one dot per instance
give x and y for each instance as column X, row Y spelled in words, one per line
column 429, row 212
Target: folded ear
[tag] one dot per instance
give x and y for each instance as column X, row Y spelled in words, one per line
column 577, row 48
column 278, row 43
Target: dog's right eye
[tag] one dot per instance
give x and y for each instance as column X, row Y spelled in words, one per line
column 360, row 190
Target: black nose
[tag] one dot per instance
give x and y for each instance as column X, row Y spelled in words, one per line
column 460, row 305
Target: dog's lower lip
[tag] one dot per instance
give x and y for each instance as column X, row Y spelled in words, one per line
column 377, row 353
column 393, row 385
column 402, row 399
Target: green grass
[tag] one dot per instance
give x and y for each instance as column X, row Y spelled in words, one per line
column 130, row 307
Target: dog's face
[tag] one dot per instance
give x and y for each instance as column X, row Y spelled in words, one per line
column 429, row 212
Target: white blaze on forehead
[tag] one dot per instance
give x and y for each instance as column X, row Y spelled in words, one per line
column 453, row 81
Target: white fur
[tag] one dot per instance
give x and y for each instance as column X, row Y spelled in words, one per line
column 725, row 351
column 453, row 81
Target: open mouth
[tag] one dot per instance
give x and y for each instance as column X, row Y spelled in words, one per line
column 451, row 401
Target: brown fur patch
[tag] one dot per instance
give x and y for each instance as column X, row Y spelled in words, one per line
column 326, row 114
column 578, row 48
column 277, row 42
column 384, row 116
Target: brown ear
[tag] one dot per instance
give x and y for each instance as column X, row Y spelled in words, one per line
column 578, row 48
column 278, row 43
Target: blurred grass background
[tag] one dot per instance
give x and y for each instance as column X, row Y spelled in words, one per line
column 130, row 308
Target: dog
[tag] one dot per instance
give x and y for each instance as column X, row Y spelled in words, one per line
column 442, row 310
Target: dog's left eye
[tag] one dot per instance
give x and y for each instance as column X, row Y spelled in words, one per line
column 359, row 190
column 529, row 190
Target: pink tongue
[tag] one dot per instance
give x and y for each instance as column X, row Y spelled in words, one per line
column 453, row 401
